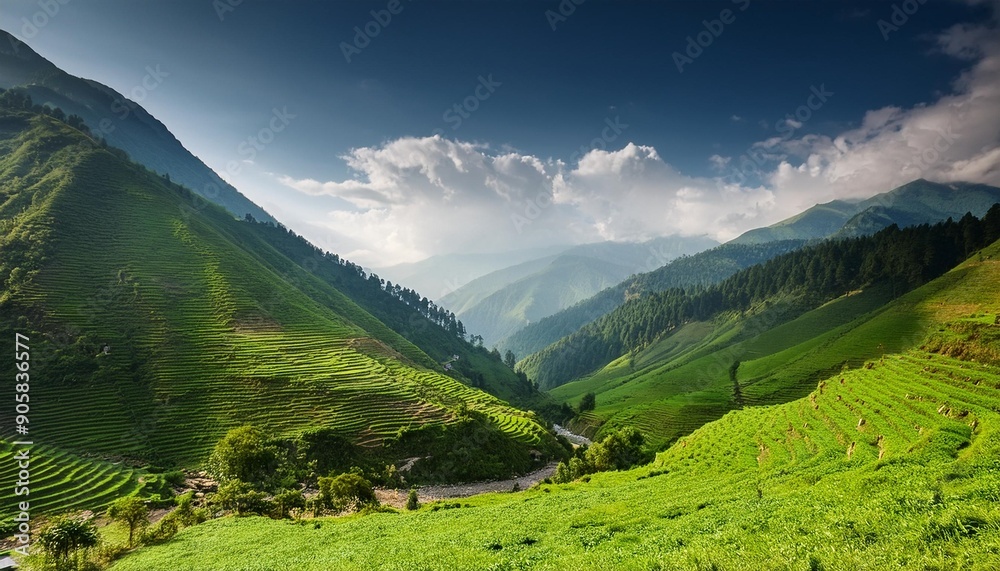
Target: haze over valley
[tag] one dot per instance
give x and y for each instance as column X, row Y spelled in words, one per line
column 499, row 285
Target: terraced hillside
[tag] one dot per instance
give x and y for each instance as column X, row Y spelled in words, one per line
column 61, row 481
column 890, row 464
column 771, row 351
column 155, row 327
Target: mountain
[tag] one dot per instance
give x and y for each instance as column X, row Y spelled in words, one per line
column 172, row 325
column 887, row 463
column 440, row 275
column 502, row 302
column 917, row 202
column 702, row 269
column 670, row 361
column 119, row 121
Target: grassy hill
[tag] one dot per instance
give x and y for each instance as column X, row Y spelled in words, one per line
column 208, row 325
column 772, row 352
column 890, row 464
column 701, row 269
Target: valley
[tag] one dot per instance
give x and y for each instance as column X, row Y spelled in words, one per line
column 717, row 336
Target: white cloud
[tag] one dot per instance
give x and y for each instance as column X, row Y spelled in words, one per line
column 956, row 137
column 414, row 197
column 718, row 161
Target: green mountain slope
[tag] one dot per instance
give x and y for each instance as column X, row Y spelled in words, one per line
column 430, row 328
column 121, row 122
column 208, row 325
column 819, row 221
column 502, row 302
column 701, row 269
column 771, row 353
column 889, row 465
column 919, row 202
column 563, row 282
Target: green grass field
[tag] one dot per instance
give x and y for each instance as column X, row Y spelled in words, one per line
column 889, row 463
column 893, row 466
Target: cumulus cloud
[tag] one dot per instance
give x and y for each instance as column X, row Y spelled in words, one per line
column 956, row 137
column 417, row 196
column 414, row 197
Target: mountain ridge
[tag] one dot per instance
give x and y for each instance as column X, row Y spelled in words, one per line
column 123, row 123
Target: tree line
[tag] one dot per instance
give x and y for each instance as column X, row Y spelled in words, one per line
column 900, row 258
column 702, row 269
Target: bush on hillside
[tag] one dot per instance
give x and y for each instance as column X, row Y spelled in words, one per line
column 346, row 492
column 242, row 498
column 620, row 450
column 245, row 454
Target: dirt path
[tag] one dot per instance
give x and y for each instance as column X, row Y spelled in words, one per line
column 397, row 498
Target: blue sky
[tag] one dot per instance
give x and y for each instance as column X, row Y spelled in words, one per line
column 344, row 170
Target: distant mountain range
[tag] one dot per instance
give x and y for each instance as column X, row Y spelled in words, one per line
column 438, row 276
column 121, row 122
column 502, row 302
column 918, row 202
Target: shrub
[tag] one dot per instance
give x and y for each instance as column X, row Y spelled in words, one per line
column 288, row 500
column 66, row 535
column 239, row 496
column 619, row 450
column 346, row 491
column 185, row 509
column 412, row 502
column 175, row 478
column 245, row 454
